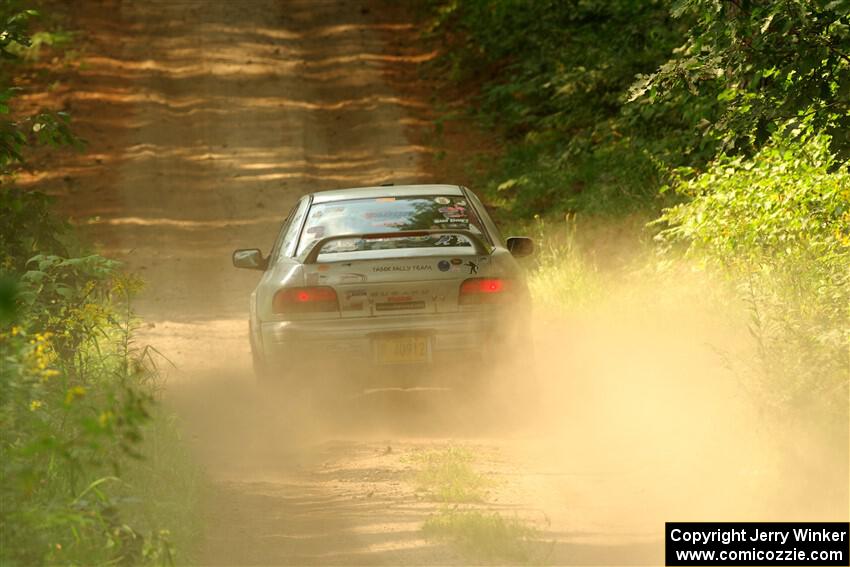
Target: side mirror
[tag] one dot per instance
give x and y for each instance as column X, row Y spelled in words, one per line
column 250, row 258
column 520, row 246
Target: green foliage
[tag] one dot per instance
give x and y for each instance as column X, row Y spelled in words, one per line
column 71, row 410
column 448, row 475
column 76, row 398
column 18, row 133
column 562, row 278
column 778, row 224
column 554, row 76
column 486, row 535
column 755, row 64
column 600, row 99
column 27, row 228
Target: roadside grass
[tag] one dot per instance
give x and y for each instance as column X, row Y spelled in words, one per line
column 447, row 476
column 563, row 277
column 487, row 535
column 162, row 492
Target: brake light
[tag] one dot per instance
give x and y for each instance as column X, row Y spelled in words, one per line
column 485, row 290
column 318, row 299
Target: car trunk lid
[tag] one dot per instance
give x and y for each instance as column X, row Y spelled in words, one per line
column 387, row 286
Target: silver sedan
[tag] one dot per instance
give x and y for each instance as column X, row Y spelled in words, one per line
column 398, row 278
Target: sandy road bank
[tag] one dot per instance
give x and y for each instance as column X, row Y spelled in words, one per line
column 206, row 120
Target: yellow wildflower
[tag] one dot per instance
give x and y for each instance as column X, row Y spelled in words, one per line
column 74, row 393
column 105, row 418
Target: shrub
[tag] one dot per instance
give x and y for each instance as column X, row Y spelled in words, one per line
column 73, row 402
column 778, row 224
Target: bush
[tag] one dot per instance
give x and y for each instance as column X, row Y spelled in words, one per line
column 778, row 224
column 74, row 397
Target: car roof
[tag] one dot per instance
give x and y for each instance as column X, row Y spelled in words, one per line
column 385, row 191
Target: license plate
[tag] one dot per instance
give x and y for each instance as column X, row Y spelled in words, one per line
column 401, row 350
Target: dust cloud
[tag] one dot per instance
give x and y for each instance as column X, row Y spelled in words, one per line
column 205, row 124
column 639, row 415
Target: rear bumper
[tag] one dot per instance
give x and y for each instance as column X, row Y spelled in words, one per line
column 452, row 337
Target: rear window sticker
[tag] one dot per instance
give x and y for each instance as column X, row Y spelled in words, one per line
column 442, row 200
column 385, row 199
column 460, row 203
column 453, row 212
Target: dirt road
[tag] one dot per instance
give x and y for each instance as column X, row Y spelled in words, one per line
column 205, row 122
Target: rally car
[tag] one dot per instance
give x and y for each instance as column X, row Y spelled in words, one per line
column 391, row 278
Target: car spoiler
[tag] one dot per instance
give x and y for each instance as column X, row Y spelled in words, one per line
column 480, row 246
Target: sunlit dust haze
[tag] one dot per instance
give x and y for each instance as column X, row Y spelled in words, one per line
column 206, row 122
column 640, row 415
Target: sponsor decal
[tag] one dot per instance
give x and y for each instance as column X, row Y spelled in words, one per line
column 351, row 278
column 473, row 267
column 444, row 265
column 405, row 268
column 457, row 261
column 453, row 212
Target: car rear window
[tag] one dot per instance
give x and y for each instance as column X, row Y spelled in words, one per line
column 388, row 215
